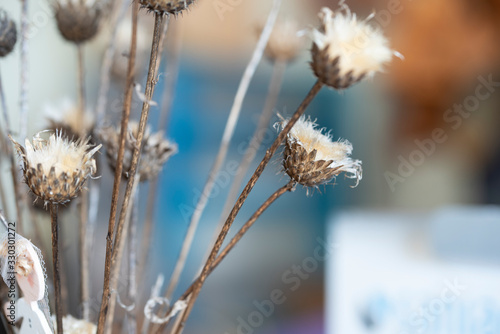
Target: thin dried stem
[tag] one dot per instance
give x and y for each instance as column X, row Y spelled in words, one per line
column 13, row 166
column 224, row 146
column 118, row 171
column 150, row 84
column 107, row 62
column 172, row 50
column 116, row 260
column 259, row 134
column 84, row 200
column 288, row 187
column 81, row 83
column 84, row 257
column 246, row 191
column 55, row 261
column 132, row 263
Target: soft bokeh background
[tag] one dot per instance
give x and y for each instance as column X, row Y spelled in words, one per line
column 447, row 45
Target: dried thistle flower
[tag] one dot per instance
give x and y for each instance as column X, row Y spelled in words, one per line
column 284, row 42
column 167, row 6
column 78, row 20
column 56, row 169
column 156, row 150
column 8, row 34
column 67, row 119
column 24, row 263
column 76, row 326
column 346, row 50
column 311, row 158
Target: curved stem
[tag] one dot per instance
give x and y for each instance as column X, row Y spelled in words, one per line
column 116, row 260
column 55, row 260
column 272, row 97
column 118, row 172
column 150, row 84
column 81, row 84
column 248, row 188
column 224, row 146
column 168, row 95
column 119, row 11
column 288, row 187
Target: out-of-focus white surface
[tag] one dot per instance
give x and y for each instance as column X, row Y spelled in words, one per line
column 398, row 273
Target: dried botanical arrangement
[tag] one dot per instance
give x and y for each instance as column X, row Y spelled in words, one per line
column 60, row 164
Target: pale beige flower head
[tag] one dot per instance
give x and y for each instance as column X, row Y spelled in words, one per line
column 72, row 325
column 284, row 42
column 156, row 150
column 56, row 169
column 67, row 118
column 346, row 50
column 311, row 158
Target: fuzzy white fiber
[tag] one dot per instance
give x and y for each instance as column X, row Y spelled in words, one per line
column 310, row 137
column 360, row 47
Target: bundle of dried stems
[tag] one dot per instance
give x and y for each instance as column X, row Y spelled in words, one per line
column 57, row 164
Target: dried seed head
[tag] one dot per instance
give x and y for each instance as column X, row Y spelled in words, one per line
column 78, row 20
column 167, row 6
column 284, row 43
column 56, row 169
column 156, row 150
column 311, row 158
column 76, row 326
column 346, row 50
column 67, row 119
column 8, row 34
column 24, row 263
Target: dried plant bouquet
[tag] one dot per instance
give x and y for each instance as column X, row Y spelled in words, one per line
column 62, row 162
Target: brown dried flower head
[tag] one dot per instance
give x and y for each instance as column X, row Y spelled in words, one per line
column 167, row 6
column 24, row 263
column 57, row 168
column 284, row 43
column 8, row 34
column 346, row 50
column 155, row 151
column 78, row 20
column 311, row 158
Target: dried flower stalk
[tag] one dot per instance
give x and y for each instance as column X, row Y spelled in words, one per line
column 244, row 229
column 150, row 84
column 56, row 271
column 272, row 97
column 248, row 188
column 224, row 146
column 118, row 172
